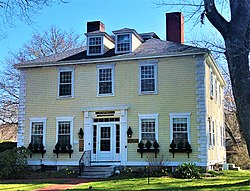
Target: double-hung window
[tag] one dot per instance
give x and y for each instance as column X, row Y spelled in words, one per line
column 105, row 86
column 123, row 43
column 211, row 83
column 148, row 127
column 95, row 45
column 211, row 132
column 222, row 132
column 180, row 128
column 64, row 131
column 37, row 131
column 66, row 82
column 148, row 77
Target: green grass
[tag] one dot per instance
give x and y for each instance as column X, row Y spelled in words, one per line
column 26, row 185
column 228, row 180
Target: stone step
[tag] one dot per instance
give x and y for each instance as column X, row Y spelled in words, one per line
column 97, row 171
column 99, row 168
column 91, row 173
column 93, row 177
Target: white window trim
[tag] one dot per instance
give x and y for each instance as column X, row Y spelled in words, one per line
column 106, row 66
column 180, row 115
column 149, row 63
column 102, row 46
column 66, row 69
column 149, row 116
column 66, row 118
column 130, row 43
column 43, row 120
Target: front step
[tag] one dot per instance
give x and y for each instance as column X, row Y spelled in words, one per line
column 97, row 172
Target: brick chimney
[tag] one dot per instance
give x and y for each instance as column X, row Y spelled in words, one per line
column 175, row 27
column 95, row 26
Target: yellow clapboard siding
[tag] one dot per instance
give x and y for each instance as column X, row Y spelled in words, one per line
column 177, row 93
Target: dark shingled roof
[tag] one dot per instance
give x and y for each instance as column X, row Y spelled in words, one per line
column 152, row 47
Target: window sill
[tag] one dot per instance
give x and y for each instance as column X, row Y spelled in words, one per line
column 105, row 95
column 145, row 150
column 148, row 93
column 63, row 151
column 65, row 97
column 184, row 150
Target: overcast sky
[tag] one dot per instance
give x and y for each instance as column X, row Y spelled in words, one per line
column 142, row 15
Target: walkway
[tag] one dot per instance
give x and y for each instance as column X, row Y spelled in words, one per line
column 67, row 185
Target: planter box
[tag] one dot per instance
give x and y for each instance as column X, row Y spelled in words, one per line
column 63, row 151
column 37, row 151
column 145, row 150
column 184, row 150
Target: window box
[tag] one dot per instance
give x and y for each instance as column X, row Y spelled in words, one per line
column 63, row 151
column 37, row 151
column 178, row 150
column 145, row 150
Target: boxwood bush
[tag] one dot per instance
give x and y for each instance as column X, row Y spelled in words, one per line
column 13, row 163
column 188, row 171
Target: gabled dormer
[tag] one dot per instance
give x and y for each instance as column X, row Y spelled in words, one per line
column 98, row 41
column 126, row 40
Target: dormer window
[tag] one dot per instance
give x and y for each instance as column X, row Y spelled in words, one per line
column 95, row 45
column 126, row 40
column 123, row 43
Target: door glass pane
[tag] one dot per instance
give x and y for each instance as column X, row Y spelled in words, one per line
column 105, row 132
column 105, row 145
column 105, row 139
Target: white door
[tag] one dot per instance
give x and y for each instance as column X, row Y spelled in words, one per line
column 105, row 142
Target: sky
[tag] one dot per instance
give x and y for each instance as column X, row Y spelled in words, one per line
column 142, row 15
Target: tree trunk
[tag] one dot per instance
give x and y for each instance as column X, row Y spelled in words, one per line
column 238, row 63
column 236, row 34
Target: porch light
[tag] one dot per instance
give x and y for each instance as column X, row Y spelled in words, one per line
column 129, row 132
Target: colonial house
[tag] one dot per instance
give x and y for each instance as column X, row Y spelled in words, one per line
column 96, row 103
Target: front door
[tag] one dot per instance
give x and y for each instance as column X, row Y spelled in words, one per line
column 105, row 142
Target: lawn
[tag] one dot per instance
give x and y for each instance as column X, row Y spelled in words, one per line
column 228, row 180
column 25, row 185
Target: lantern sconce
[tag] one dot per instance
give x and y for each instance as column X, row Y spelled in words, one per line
column 129, row 132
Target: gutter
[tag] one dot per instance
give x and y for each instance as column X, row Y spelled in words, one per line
column 74, row 62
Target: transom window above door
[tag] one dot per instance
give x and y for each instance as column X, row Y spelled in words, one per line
column 105, row 86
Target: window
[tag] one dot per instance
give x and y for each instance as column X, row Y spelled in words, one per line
column 123, row 43
column 222, row 135
column 105, row 80
column 148, row 77
column 216, row 89
column 180, row 128
column 211, row 132
column 148, row 125
column 37, row 131
column 64, row 130
column 65, row 83
column 211, row 83
column 94, row 45
column 220, row 99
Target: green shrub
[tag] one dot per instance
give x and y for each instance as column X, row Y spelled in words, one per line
column 7, row 145
column 188, row 171
column 13, row 163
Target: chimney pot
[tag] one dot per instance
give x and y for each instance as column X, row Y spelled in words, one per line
column 95, row 26
column 175, row 27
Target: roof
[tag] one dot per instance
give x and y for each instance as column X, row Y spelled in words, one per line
column 150, row 48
